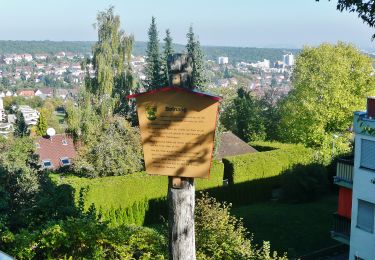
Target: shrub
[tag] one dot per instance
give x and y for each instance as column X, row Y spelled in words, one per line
column 304, row 183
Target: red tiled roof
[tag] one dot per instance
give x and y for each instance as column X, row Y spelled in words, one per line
column 53, row 149
column 26, row 93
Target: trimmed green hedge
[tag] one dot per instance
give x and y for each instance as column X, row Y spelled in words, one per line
column 253, row 177
column 253, row 166
column 139, row 198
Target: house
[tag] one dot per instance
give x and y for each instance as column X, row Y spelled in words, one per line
column 2, row 112
column 41, row 56
column 30, row 115
column 26, row 93
column 55, row 151
column 44, row 92
column 27, row 57
column 355, row 218
column 6, row 129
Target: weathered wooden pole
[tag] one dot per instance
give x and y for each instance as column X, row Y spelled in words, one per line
column 181, row 191
column 181, row 202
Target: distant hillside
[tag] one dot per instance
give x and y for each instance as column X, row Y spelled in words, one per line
column 235, row 54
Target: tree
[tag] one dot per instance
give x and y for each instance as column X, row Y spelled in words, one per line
column 243, row 117
column 41, row 126
column 111, row 62
column 153, row 69
column 168, row 50
column 116, row 150
column 21, row 128
column 194, row 50
column 330, row 82
column 18, row 180
column 364, row 9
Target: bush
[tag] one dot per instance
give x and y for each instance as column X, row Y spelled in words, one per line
column 305, row 183
column 85, row 238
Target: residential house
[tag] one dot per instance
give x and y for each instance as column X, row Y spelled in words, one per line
column 44, row 92
column 6, row 129
column 26, row 93
column 30, row 115
column 55, row 151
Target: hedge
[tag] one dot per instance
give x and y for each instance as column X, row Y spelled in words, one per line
column 141, row 199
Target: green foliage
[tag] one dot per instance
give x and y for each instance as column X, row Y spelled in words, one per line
column 111, row 62
column 21, row 128
column 116, row 151
column 85, row 238
column 194, row 50
column 220, row 235
column 267, row 164
column 304, row 183
column 18, row 180
column 168, row 50
column 41, row 126
column 244, row 117
column 153, row 69
column 330, row 82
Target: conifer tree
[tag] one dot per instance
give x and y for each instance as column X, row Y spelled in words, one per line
column 194, row 50
column 168, row 50
column 153, row 70
column 41, row 126
column 21, row 127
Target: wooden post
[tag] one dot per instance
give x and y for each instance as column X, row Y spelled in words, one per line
column 181, row 191
column 181, row 202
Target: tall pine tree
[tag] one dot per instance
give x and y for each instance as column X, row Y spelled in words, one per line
column 153, row 69
column 111, row 63
column 168, row 50
column 194, row 50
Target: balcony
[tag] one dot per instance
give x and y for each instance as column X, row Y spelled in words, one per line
column 341, row 229
column 344, row 173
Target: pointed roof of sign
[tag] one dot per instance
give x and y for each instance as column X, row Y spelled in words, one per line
column 177, row 89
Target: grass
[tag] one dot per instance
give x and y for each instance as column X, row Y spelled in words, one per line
column 293, row 228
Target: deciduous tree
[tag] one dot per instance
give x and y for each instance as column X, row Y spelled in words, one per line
column 330, row 82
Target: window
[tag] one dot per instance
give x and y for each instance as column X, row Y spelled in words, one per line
column 365, row 218
column 64, row 142
column 47, row 164
column 368, row 154
column 64, row 161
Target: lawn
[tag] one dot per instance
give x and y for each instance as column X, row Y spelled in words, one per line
column 295, row 228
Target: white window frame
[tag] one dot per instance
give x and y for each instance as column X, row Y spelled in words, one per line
column 46, row 161
column 65, row 164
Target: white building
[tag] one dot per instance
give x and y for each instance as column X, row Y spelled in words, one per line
column 288, row 59
column 354, row 221
column 30, row 115
column 223, row 60
column 2, row 112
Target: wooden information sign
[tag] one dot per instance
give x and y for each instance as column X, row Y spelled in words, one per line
column 177, row 129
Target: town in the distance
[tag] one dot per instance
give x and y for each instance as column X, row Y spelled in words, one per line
column 60, row 75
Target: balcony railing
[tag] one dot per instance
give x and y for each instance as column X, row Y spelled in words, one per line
column 341, row 228
column 344, row 173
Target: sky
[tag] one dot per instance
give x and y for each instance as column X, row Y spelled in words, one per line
column 244, row 23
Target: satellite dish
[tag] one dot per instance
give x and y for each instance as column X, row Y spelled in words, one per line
column 51, row 132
